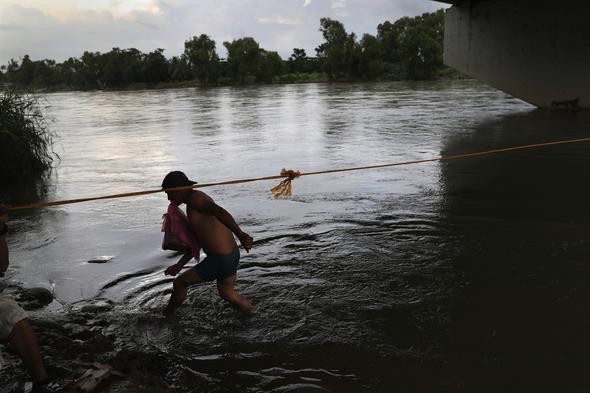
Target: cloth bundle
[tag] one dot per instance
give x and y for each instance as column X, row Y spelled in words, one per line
column 177, row 233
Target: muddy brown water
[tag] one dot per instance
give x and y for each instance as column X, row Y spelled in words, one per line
column 466, row 275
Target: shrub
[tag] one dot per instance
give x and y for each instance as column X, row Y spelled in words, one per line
column 25, row 140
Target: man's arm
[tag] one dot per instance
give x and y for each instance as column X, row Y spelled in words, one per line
column 204, row 203
column 174, row 269
column 3, row 245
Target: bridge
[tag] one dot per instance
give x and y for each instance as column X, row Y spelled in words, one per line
column 536, row 50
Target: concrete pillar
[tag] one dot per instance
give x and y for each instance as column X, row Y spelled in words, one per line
column 536, row 50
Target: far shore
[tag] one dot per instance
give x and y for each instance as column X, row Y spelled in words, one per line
column 287, row 79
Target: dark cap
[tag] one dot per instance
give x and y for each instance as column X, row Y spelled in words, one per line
column 176, row 179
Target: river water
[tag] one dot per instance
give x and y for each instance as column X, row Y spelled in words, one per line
column 463, row 275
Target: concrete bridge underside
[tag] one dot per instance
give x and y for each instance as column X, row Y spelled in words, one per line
column 536, row 50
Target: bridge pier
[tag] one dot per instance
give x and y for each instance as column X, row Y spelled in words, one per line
column 536, row 50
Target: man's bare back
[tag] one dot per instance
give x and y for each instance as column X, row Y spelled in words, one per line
column 210, row 233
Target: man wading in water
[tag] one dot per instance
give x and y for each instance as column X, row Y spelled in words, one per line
column 213, row 228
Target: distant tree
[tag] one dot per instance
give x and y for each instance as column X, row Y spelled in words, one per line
column 44, row 73
column 179, row 68
column 31, row 73
column 371, row 57
column 26, row 71
column 242, row 57
column 268, row 66
column 298, row 61
column 112, row 68
column 70, row 73
column 122, row 67
column 388, row 36
column 203, row 59
column 336, row 54
column 353, row 54
column 421, row 44
column 409, row 48
column 131, row 61
column 22, row 74
column 91, row 70
column 155, row 67
column 11, row 71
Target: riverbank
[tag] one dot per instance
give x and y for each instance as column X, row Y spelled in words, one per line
column 81, row 337
column 286, row 79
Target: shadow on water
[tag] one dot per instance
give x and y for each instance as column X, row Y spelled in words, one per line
column 26, row 192
column 521, row 223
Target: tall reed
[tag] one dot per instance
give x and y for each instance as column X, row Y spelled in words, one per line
column 25, row 140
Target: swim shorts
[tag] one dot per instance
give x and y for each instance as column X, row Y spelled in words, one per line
column 218, row 266
column 10, row 315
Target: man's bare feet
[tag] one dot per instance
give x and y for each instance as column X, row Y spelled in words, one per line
column 170, row 308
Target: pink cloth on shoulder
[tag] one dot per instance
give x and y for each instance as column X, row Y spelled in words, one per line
column 177, row 233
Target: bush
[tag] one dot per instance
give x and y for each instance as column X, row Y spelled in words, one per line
column 25, row 140
column 451, row 73
column 299, row 77
column 392, row 72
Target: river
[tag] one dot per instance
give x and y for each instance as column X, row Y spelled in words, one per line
column 462, row 275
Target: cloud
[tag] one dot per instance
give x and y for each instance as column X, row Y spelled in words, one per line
column 280, row 21
column 306, row 3
column 338, row 4
column 41, row 35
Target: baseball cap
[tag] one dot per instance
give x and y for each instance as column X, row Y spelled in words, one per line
column 176, row 179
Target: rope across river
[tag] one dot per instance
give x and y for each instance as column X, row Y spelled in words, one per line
column 284, row 188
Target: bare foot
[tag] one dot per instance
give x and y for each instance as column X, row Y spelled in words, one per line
column 169, row 310
column 245, row 305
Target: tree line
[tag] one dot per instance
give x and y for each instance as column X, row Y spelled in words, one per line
column 409, row 48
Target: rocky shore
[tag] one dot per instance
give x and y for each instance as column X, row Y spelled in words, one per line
column 82, row 338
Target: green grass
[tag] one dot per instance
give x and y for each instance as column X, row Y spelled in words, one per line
column 25, row 140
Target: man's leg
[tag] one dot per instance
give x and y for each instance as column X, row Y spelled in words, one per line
column 225, row 286
column 180, row 288
column 24, row 342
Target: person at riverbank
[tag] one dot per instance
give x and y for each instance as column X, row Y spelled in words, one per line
column 213, row 229
column 15, row 328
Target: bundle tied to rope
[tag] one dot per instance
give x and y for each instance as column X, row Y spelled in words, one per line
column 283, row 189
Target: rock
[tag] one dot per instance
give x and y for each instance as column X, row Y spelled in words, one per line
column 99, row 344
column 93, row 306
column 34, row 298
column 78, row 332
column 90, row 380
column 101, row 259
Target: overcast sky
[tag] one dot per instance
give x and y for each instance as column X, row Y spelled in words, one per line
column 58, row 29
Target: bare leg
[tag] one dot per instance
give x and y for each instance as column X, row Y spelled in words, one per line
column 25, row 344
column 180, row 288
column 225, row 286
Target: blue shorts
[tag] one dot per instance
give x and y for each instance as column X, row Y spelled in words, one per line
column 218, row 266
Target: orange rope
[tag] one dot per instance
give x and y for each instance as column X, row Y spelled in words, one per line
column 284, row 188
column 286, row 184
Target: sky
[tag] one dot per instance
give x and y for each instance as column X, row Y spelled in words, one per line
column 59, row 29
